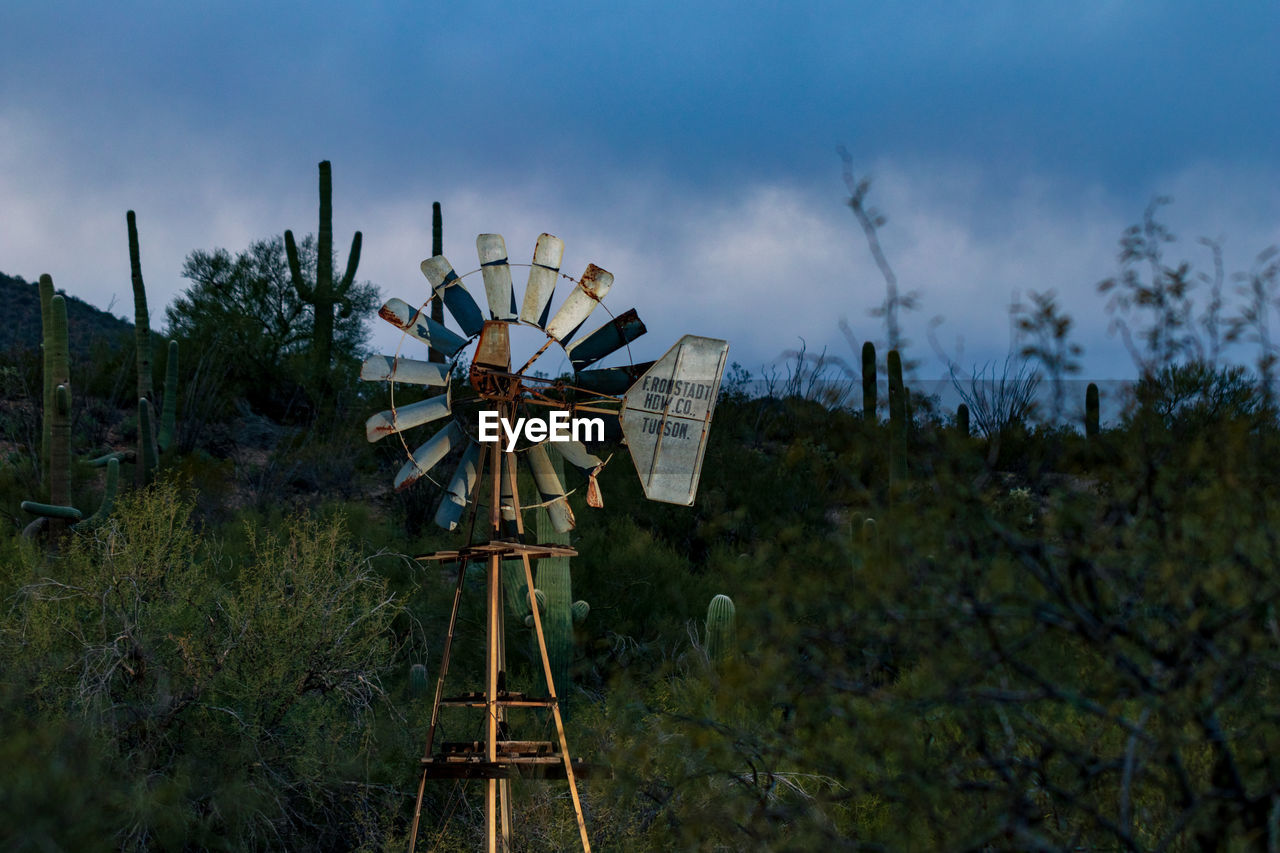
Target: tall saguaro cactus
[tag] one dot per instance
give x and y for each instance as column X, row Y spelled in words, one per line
column 869, row 387
column 46, row 338
column 437, row 248
column 58, row 416
column 57, row 426
column 322, row 293
column 141, row 318
column 897, row 420
column 1091, row 410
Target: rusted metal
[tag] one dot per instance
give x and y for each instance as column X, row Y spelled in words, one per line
column 580, row 302
column 577, row 455
column 498, row 289
column 543, row 273
column 492, row 361
column 406, row 417
column 389, row 368
column 454, row 294
column 608, row 339
column 417, row 324
column 666, row 416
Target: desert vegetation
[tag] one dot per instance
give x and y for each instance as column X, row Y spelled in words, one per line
column 882, row 625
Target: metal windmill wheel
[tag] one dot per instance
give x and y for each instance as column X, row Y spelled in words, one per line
column 493, row 384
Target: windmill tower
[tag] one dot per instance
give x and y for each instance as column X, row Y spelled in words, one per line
column 664, row 408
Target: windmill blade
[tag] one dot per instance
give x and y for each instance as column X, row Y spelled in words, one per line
column 402, row 418
column 577, row 455
column 551, row 489
column 390, row 368
column 429, row 455
column 400, row 314
column 547, row 256
column 609, row 338
column 666, row 416
column 579, row 304
column 611, row 381
column 446, row 284
column 507, row 497
column 498, row 288
column 460, row 488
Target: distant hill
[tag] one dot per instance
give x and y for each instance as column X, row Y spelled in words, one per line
column 86, row 324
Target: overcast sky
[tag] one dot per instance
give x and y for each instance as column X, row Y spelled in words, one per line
column 687, row 147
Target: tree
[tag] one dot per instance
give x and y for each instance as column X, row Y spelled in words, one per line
column 244, row 316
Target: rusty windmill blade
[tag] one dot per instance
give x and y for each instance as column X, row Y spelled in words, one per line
column 580, row 302
column 417, row 324
column 454, row 294
column 498, row 288
column 551, row 489
column 402, row 418
column 389, row 368
column 577, row 455
column 543, row 273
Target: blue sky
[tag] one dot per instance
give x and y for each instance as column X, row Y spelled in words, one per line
column 687, row 147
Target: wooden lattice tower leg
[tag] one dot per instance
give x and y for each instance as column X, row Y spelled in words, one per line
column 498, row 766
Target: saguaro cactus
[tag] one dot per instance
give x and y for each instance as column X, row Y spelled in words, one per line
column 897, row 421
column 141, row 318
column 322, row 293
column 560, row 613
column 869, row 386
column 46, row 337
column 437, row 248
column 962, row 420
column 1091, row 409
column 722, row 634
column 58, row 416
column 57, row 425
column 417, row 681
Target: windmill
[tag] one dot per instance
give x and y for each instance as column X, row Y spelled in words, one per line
column 664, row 409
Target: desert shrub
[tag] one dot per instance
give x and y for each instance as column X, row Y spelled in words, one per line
column 235, row 705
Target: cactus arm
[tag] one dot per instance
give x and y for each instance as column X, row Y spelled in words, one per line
column 147, row 456
column 169, row 414
column 118, row 455
column 353, row 261
column 68, row 513
column 295, row 269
